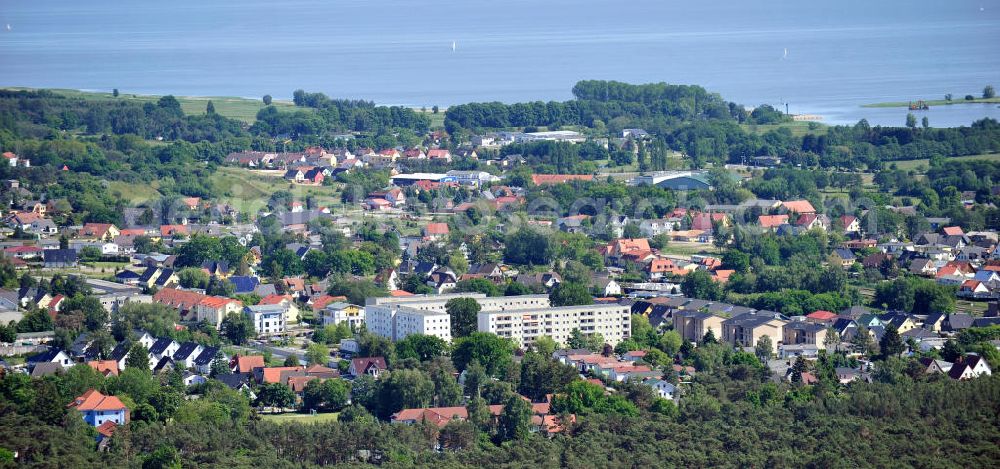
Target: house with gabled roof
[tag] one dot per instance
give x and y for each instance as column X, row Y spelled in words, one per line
column 98, row 408
column 802, row 207
column 850, row 223
column 968, row 367
column 771, row 222
column 373, row 366
column 186, row 354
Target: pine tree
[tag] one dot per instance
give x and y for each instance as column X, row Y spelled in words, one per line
column 798, row 368
column 891, row 343
column 210, row 108
column 138, row 357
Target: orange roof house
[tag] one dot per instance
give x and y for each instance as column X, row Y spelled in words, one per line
column 952, row 231
column 799, row 206
column 172, row 230
column 436, row 229
column 98, row 408
column 543, row 179
column 661, row 266
column 99, row 230
column 105, row 367
column 772, row 221
column 180, row 299
column 722, row 275
column 246, row 364
column 623, row 246
column 274, row 299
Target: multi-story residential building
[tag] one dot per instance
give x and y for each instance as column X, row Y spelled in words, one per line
column 267, row 319
column 804, row 332
column 395, row 322
column 214, row 309
column 746, row 329
column 438, row 302
column 524, row 325
column 336, row 313
column 693, row 325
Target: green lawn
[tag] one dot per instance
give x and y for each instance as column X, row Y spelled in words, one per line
column 243, row 109
column 301, row 418
column 936, row 102
column 249, row 190
column 907, row 165
column 798, row 128
column 134, row 193
column 678, row 248
column 437, row 120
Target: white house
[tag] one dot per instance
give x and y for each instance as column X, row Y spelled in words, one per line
column 663, row 389
column 267, row 319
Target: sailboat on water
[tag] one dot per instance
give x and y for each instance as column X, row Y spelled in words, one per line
column 454, row 45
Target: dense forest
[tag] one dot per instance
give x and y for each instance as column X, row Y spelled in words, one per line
column 731, row 417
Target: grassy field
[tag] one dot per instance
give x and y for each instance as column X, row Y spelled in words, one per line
column 249, row 190
column 907, row 165
column 301, row 418
column 244, row 109
column 679, row 248
column 936, row 102
column 135, row 193
column 798, row 128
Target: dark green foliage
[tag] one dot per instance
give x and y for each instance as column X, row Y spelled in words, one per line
column 463, row 313
column 527, row 247
column 570, row 294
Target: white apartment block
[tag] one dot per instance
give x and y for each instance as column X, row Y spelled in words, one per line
column 267, row 319
column 438, row 302
column 395, row 322
column 613, row 321
column 337, row 313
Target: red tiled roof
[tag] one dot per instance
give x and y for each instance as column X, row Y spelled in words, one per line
column 170, row 230
column 274, row 299
column 93, row 400
column 436, row 229
column 438, row 153
column 247, row 363
column 273, row 374
column 180, row 299
column 799, row 206
column 772, row 221
column 821, row 315
column 22, row 249
column 107, row 428
column 398, row 293
column 952, row 230
column 105, row 367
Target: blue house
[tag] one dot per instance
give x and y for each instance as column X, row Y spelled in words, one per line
column 98, row 408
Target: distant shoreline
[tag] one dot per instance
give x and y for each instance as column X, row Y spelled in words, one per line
column 236, row 107
column 935, row 102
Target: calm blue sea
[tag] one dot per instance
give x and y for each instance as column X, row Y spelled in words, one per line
column 820, row 57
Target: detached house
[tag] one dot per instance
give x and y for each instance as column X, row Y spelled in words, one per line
column 772, row 222
column 99, row 231
column 98, row 408
column 373, row 366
